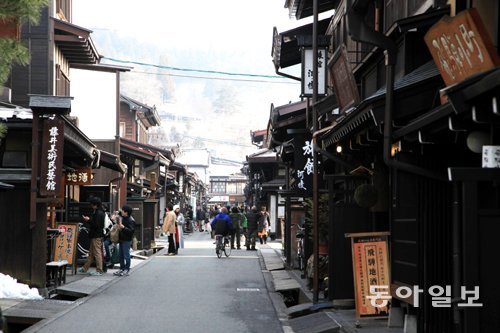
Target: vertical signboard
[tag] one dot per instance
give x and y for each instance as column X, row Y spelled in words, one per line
column 461, row 47
column 52, row 156
column 307, row 72
column 370, row 268
column 342, row 79
column 65, row 244
column 303, row 163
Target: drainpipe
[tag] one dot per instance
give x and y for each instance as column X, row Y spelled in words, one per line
column 457, row 255
column 288, row 75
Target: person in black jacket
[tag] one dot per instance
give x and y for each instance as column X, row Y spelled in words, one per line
column 127, row 226
column 252, row 225
column 96, row 233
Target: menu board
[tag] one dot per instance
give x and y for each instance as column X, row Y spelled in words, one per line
column 65, row 243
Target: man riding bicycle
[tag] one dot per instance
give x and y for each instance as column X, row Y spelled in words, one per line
column 221, row 223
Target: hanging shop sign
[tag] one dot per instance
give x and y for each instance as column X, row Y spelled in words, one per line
column 303, row 163
column 307, row 72
column 81, row 176
column 342, row 79
column 461, row 46
column 370, row 263
column 52, row 156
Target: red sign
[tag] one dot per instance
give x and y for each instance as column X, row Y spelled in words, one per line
column 52, row 157
column 461, row 47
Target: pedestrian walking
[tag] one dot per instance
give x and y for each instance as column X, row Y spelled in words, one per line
column 237, row 219
column 169, row 229
column 200, row 217
column 180, row 227
column 252, row 225
column 127, row 227
column 264, row 225
column 96, row 233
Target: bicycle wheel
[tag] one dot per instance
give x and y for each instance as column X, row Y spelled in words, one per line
column 218, row 246
column 227, row 247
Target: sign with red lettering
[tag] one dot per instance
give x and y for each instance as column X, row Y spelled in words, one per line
column 461, row 47
column 65, row 243
column 52, row 157
column 370, row 261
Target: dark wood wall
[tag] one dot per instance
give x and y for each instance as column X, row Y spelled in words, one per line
column 16, row 244
column 36, row 78
column 103, row 175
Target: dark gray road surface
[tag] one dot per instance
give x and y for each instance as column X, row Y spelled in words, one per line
column 192, row 292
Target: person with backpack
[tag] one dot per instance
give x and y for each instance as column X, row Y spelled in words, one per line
column 222, row 223
column 96, row 233
column 252, row 225
column 127, row 227
column 237, row 218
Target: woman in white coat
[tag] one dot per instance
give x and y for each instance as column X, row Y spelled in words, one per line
column 180, row 226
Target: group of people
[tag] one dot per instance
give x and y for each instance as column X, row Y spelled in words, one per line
column 125, row 224
column 252, row 224
column 173, row 224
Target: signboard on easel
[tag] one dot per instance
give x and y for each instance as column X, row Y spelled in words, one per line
column 371, row 270
column 65, row 243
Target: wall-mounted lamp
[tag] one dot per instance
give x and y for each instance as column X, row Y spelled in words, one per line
column 395, row 148
column 339, row 149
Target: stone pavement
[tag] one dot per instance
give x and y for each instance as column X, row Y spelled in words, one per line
column 333, row 320
column 282, row 285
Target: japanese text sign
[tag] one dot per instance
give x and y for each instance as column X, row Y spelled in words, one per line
column 65, row 243
column 461, row 47
column 370, row 268
column 343, row 81
column 52, row 157
column 82, row 176
column 303, row 163
column 307, row 72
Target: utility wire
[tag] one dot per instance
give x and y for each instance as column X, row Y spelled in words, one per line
column 215, row 78
column 191, row 69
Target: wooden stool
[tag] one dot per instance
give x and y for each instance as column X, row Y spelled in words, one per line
column 56, row 271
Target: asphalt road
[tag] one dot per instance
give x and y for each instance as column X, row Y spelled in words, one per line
column 191, row 292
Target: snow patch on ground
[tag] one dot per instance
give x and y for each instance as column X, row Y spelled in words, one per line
column 10, row 288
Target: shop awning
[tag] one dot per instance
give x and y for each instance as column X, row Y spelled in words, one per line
column 371, row 108
column 286, row 52
column 111, row 161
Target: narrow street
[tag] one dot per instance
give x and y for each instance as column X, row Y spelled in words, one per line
column 192, row 292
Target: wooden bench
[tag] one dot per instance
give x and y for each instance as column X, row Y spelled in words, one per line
column 56, row 271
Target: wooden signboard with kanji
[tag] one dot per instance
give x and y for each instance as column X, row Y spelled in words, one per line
column 342, row 79
column 52, row 156
column 65, row 243
column 80, row 176
column 461, row 46
column 370, row 268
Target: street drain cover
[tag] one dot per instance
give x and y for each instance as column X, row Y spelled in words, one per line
column 247, row 289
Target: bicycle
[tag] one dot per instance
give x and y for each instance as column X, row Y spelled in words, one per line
column 300, row 247
column 222, row 244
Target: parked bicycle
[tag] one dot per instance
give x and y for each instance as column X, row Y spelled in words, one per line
column 222, row 244
column 299, row 236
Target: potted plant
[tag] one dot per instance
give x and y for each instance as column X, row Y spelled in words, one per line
column 322, row 221
column 12, row 14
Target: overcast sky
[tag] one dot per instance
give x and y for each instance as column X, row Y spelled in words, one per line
column 235, row 34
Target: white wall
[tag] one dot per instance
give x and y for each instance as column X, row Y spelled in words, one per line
column 94, row 103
